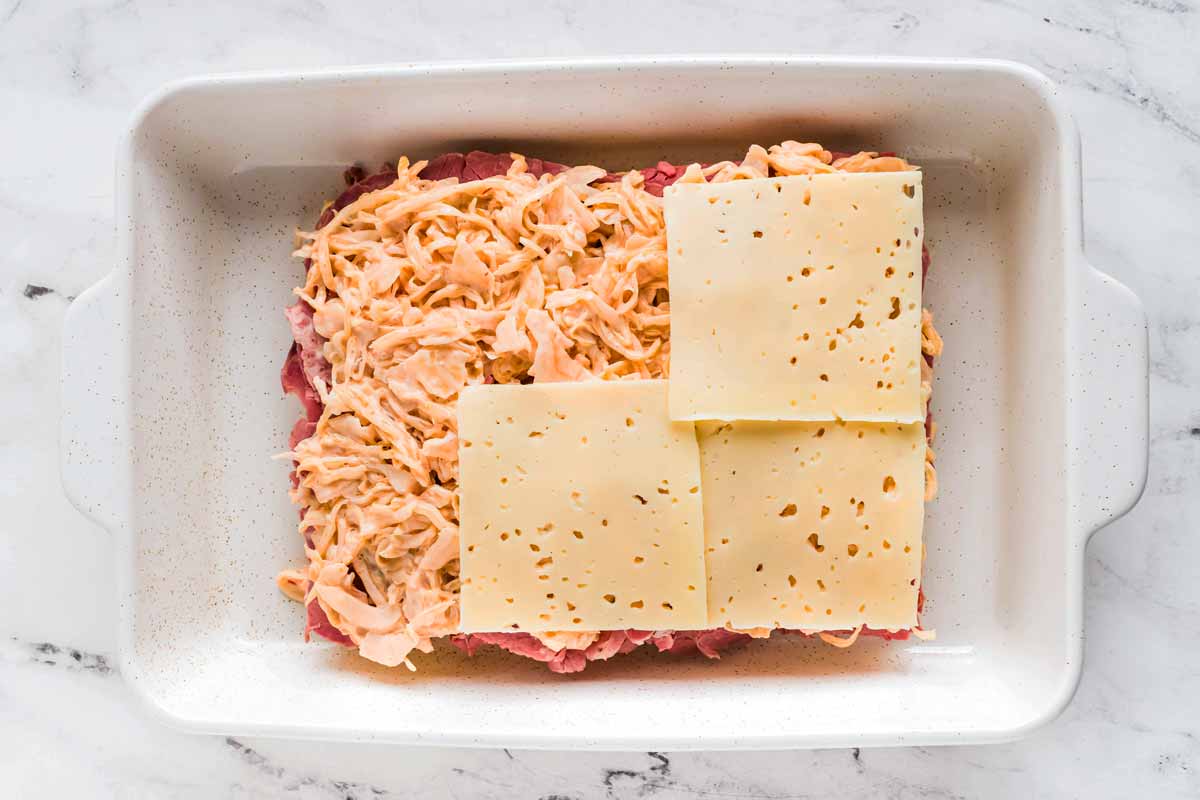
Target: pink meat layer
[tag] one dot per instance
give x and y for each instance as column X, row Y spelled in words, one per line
column 306, row 362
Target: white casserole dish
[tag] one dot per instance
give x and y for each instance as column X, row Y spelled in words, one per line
column 173, row 407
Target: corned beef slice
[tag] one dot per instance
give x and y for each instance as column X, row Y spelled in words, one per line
column 319, row 624
column 295, row 382
column 306, row 361
column 608, row 645
column 710, row 642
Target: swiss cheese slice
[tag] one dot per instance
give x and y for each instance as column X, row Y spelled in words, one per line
column 579, row 508
column 813, row 525
column 796, row 298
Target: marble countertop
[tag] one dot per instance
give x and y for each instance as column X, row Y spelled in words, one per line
column 70, row 76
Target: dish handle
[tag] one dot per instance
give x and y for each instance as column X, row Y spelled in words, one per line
column 94, row 445
column 1110, row 373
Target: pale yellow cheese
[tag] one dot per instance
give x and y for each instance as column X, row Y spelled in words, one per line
column 796, row 298
column 813, row 525
column 579, row 509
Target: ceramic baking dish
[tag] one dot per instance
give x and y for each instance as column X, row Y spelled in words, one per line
column 173, row 407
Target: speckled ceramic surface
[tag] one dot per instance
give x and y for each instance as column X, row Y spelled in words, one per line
column 175, row 358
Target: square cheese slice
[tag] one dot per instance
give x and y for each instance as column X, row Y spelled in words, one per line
column 580, row 509
column 813, row 525
column 796, row 298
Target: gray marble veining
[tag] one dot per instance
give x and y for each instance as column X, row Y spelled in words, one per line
column 70, row 76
